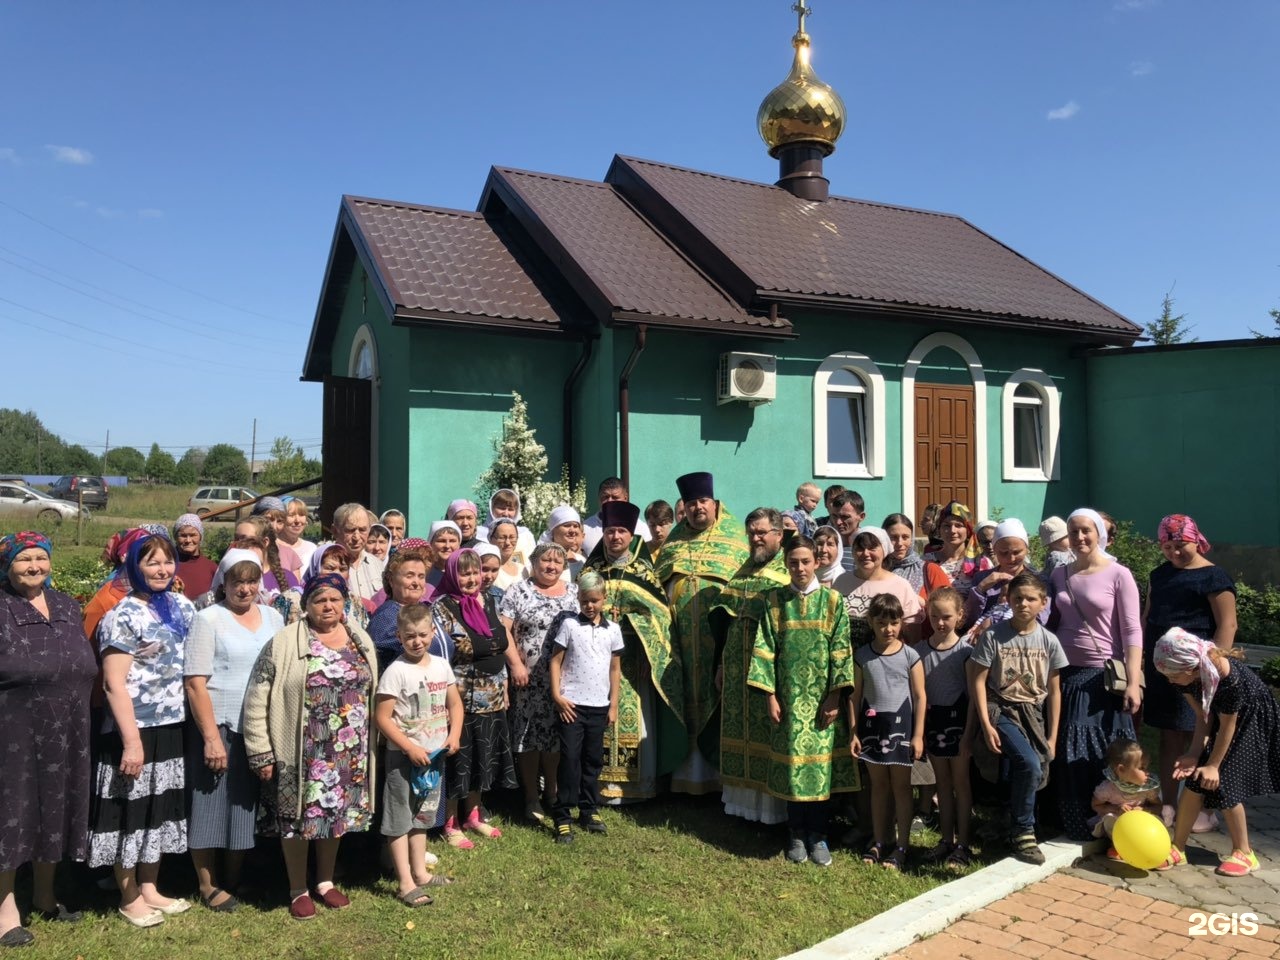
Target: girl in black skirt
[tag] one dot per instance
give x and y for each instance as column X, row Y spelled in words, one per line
column 1234, row 750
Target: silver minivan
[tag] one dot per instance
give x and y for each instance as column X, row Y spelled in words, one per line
column 208, row 499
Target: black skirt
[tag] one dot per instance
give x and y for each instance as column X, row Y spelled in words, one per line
column 484, row 759
column 138, row 819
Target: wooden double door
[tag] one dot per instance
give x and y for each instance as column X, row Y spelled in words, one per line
column 944, row 445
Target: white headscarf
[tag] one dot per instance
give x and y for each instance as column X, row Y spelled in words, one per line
column 229, row 560
column 491, row 518
column 829, row 573
column 880, row 534
column 487, row 550
column 1098, row 524
column 439, row 525
column 1010, row 528
column 561, row 514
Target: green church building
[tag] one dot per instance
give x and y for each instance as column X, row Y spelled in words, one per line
column 663, row 320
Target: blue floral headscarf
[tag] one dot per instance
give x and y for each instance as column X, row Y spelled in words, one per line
column 159, row 600
column 15, row 543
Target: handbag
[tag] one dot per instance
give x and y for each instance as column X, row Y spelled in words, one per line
column 1115, row 672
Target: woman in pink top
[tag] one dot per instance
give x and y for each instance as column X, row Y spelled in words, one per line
column 1098, row 614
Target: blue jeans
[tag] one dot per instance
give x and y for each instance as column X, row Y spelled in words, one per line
column 1020, row 765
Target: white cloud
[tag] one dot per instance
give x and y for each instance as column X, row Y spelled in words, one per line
column 1132, row 6
column 73, row 155
column 1064, row 112
column 106, row 213
column 150, row 213
column 1141, row 68
column 10, row 155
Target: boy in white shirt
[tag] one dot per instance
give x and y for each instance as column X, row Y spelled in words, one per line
column 586, row 669
column 418, row 711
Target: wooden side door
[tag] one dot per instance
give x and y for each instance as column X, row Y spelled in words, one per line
column 944, row 445
column 345, row 447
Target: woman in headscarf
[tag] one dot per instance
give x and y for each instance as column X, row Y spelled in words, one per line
column 564, row 527
column 379, row 542
column 443, row 542
column 465, row 514
column 869, row 579
column 395, row 522
column 404, row 582
column 828, row 552
column 309, row 736
column 224, row 641
column 925, row 576
column 1096, row 602
column 528, row 610
column 960, row 555
column 195, row 570
column 988, row 601
column 331, row 557
column 1191, row 592
column 505, row 535
column 45, row 674
column 505, row 504
column 473, row 640
column 139, row 803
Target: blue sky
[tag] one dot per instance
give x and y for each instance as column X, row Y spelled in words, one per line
column 189, row 158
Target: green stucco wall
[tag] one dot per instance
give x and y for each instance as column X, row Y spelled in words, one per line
column 760, row 454
column 1189, row 431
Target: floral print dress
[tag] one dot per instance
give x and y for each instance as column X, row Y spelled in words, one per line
column 534, row 725
column 335, row 745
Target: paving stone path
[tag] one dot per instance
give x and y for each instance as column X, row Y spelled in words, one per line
column 1110, row 911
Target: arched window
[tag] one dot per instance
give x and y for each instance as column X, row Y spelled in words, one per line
column 1030, row 415
column 848, row 417
column 363, row 363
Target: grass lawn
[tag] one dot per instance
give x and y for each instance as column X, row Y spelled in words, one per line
column 674, row 878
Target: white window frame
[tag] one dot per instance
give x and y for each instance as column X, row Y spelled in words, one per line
column 873, row 406
column 1050, row 427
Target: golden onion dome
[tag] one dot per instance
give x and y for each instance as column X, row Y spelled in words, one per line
column 801, row 109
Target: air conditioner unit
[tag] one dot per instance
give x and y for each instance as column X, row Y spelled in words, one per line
column 749, row 377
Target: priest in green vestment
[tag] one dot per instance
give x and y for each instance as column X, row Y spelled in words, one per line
column 700, row 557
column 746, row 735
column 648, row 740
column 803, row 666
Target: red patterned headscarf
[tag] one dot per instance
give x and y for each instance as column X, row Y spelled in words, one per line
column 1178, row 527
column 956, row 509
column 16, row 543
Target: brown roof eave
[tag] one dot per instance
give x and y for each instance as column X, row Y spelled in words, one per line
column 783, row 331
column 927, row 314
column 409, row 317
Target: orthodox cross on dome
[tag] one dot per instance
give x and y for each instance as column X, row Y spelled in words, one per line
column 802, row 11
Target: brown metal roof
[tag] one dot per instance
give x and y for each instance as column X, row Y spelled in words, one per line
column 619, row 263
column 435, row 261
column 857, row 252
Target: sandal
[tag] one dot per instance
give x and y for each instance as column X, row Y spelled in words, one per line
column 960, row 858
column 874, row 853
column 455, row 837
column 476, row 825
column 226, row 906
column 417, row 897
column 59, row 914
column 1176, row 859
column 1239, row 864
column 437, row 880
column 940, row 852
column 896, row 861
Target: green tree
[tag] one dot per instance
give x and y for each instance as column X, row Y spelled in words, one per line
column 286, row 464
column 1275, row 329
column 161, row 466
column 124, row 462
column 189, row 468
column 225, row 464
column 1168, row 328
column 519, row 460
column 76, row 459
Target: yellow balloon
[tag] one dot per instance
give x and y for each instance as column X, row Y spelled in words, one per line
column 1141, row 839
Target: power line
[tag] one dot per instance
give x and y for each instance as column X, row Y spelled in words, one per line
column 131, row 266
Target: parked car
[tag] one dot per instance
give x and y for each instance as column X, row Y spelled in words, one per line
column 20, row 500
column 208, row 499
column 91, row 491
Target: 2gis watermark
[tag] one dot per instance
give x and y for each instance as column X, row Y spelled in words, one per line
column 1201, row 924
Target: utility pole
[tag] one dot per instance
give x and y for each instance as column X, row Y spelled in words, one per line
column 106, row 448
column 253, row 449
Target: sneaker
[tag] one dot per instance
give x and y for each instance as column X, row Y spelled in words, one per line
column 1239, row 864
column 1176, row 859
column 819, row 853
column 593, row 823
column 564, row 833
column 1027, row 850
column 797, row 852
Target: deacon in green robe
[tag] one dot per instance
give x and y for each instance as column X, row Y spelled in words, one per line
column 648, row 740
column 746, row 735
column 700, row 557
column 803, row 658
